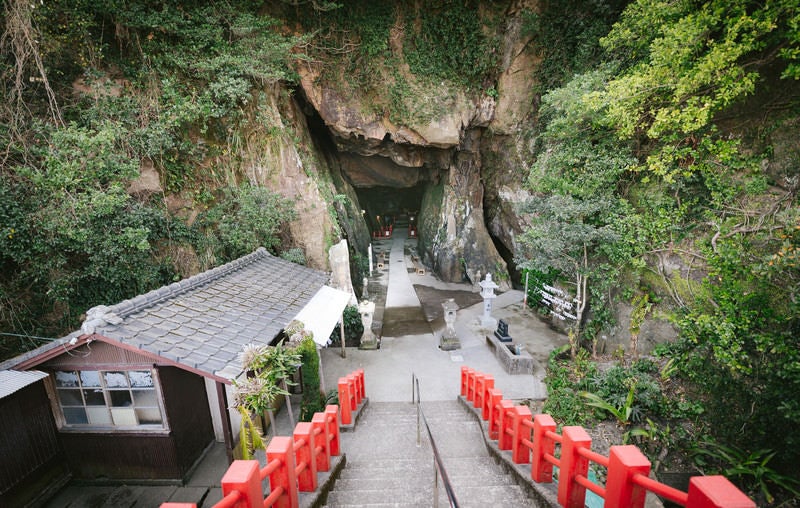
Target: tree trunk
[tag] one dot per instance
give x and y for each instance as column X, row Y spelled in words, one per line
column 288, row 399
column 272, row 424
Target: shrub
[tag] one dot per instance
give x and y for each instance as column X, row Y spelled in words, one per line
column 353, row 328
column 313, row 400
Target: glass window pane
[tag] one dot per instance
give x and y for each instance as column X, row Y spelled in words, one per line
column 123, row 416
column 141, row 378
column 115, row 379
column 149, row 416
column 98, row 415
column 145, row 398
column 75, row 415
column 94, row 397
column 120, row 398
column 90, row 378
column 64, row 378
column 70, row 397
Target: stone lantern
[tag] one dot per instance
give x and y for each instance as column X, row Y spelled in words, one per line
column 449, row 339
column 368, row 339
column 487, row 293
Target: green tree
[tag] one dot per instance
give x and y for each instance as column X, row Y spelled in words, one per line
column 563, row 233
column 686, row 63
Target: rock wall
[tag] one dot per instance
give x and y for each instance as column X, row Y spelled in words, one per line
column 469, row 184
column 281, row 154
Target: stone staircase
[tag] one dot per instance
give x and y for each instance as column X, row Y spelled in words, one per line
column 385, row 467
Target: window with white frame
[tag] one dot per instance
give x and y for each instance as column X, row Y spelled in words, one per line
column 109, row 398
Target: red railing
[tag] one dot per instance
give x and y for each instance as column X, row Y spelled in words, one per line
column 351, row 394
column 292, row 462
column 533, row 439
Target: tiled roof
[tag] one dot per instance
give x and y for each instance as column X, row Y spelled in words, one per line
column 12, row 381
column 204, row 321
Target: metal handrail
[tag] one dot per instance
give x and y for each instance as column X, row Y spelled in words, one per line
column 439, row 469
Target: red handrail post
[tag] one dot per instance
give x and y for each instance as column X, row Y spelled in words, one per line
column 362, row 389
column 332, row 417
column 307, row 478
column 281, row 448
column 520, row 453
column 623, row 463
column 322, row 441
column 464, row 377
column 471, row 385
column 244, row 476
column 480, row 379
column 716, row 492
column 486, row 397
column 571, row 494
column 344, row 401
column 353, row 383
column 541, row 469
column 494, row 398
column 505, row 421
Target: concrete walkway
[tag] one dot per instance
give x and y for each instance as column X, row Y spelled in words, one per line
column 388, row 370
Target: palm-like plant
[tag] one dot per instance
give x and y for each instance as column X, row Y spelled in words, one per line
column 268, row 369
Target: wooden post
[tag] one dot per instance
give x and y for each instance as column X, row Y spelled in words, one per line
column 344, row 401
column 623, row 463
column 332, row 417
column 571, row 494
column 504, row 422
column 488, row 383
column 321, row 441
column 464, row 379
column 341, row 334
column 477, row 401
column 716, row 492
column 244, row 476
column 305, row 457
column 541, row 469
column 495, row 396
column 281, row 448
column 520, row 453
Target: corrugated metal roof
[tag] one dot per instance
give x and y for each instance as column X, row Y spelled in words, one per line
column 12, row 380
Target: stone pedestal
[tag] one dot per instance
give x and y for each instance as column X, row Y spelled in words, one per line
column 449, row 339
column 368, row 339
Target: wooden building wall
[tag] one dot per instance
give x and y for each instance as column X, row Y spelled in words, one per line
column 31, row 457
column 146, row 455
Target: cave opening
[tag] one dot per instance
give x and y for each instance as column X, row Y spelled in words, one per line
column 384, row 205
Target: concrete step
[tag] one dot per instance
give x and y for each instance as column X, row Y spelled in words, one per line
column 458, row 482
column 459, row 473
column 385, row 467
column 407, row 495
column 506, row 496
column 416, row 494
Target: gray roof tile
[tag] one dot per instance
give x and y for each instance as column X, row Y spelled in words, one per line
column 204, row 321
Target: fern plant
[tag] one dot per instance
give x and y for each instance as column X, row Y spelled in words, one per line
column 622, row 413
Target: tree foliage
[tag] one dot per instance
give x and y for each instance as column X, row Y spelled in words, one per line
column 117, row 85
column 642, row 132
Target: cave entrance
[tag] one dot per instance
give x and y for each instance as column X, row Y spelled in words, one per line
column 391, row 206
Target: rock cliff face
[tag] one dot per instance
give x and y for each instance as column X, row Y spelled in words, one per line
column 440, row 164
